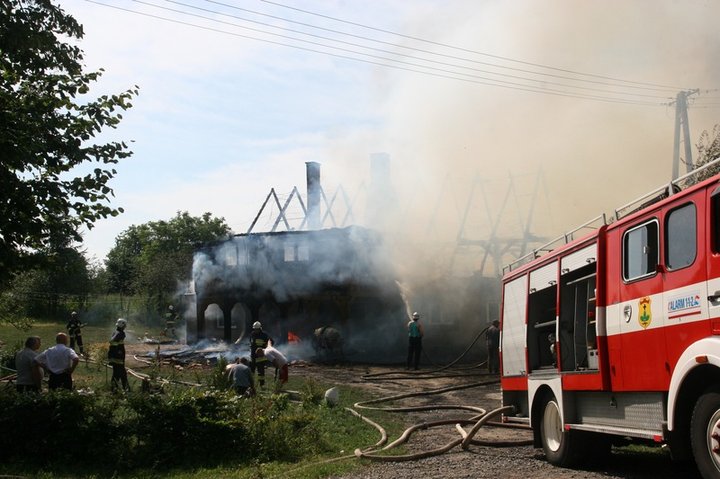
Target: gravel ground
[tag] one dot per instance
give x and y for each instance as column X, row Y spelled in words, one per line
column 478, row 461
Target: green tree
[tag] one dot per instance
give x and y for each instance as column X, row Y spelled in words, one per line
column 52, row 291
column 708, row 146
column 151, row 258
column 48, row 125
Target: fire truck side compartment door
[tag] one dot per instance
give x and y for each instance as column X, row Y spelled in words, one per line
column 713, row 258
column 512, row 340
column 578, row 259
column 544, row 277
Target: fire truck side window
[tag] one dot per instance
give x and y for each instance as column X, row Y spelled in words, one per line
column 681, row 231
column 640, row 251
column 715, row 219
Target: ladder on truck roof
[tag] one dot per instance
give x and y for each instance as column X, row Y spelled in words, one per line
column 645, row 200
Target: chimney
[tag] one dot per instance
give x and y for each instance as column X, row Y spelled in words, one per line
column 381, row 210
column 312, row 170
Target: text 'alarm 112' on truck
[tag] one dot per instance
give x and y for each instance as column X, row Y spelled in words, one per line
column 615, row 335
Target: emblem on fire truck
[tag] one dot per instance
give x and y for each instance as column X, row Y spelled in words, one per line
column 645, row 316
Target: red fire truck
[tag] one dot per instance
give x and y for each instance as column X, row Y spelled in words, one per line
column 614, row 334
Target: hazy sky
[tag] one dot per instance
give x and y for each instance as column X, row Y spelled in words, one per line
column 223, row 116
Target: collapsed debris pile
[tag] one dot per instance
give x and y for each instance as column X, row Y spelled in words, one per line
column 205, row 353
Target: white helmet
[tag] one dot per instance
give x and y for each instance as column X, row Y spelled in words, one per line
column 73, row 314
column 121, row 323
column 416, row 315
column 257, row 325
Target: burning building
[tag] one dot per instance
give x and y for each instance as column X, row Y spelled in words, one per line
column 294, row 282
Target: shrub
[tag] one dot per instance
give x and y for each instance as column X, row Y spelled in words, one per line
column 312, row 393
column 218, row 379
column 61, row 426
column 154, row 431
column 7, row 355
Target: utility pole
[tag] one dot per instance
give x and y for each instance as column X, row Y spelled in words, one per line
column 681, row 122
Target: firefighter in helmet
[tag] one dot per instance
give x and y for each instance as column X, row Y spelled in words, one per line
column 171, row 318
column 415, row 335
column 74, row 329
column 258, row 339
column 116, row 356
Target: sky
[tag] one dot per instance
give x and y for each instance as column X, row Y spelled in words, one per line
column 466, row 97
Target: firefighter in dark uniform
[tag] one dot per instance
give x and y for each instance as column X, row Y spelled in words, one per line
column 116, row 356
column 492, row 338
column 74, row 328
column 258, row 339
column 171, row 318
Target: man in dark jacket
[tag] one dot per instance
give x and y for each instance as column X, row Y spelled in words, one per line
column 116, row 356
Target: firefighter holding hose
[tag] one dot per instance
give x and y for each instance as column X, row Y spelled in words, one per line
column 415, row 335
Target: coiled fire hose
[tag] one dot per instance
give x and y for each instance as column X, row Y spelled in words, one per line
column 464, row 440
column 467, row 438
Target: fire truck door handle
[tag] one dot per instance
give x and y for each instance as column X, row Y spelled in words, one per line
column 713, row 298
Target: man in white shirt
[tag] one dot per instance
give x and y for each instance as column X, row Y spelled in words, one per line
column 60, row 362
column 277, row 359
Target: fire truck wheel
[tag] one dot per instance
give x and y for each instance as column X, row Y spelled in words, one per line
column 705, row 434
column 562, row 448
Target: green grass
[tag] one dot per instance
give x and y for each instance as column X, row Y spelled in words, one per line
column 343, row 431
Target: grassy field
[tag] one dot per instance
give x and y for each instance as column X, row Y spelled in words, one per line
column 341, row 429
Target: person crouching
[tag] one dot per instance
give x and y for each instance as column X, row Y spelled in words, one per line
column 277, row 359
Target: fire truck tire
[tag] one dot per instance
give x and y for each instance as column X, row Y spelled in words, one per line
column 562, row 448
column 705, row 434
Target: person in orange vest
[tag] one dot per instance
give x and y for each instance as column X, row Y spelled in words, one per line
column 415, row 335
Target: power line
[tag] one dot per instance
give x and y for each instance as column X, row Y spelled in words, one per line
column 396, row 45
column 443, row 73
column 665, row 87
column 610, row 92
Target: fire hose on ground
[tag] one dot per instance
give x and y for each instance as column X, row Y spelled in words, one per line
column 477, row 421
column 467, row 438
column 428, row 374
column 482, row 418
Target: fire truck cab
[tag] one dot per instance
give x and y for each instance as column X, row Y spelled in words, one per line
column 615, row 333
